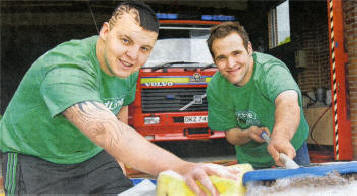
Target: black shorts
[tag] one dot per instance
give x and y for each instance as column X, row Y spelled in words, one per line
column 100, row 175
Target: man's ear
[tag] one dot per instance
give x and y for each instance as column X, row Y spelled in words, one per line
column 249, row 48
column 104, row 31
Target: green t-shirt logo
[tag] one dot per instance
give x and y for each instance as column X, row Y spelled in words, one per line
column 246, row 119
column 114, row 104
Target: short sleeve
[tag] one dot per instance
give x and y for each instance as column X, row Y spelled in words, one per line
column 277, row 79
column 64, row 86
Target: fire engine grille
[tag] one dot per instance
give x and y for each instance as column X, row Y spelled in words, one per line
column 171, row 100
column 198, row 131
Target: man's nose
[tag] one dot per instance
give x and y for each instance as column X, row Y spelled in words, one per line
column 230, row 62
column 133, row 51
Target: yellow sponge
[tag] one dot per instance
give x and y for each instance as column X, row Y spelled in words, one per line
column 170, row 183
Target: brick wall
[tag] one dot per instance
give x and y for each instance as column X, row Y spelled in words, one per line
column 313, row 39
column 350, row 14
column 311, row 35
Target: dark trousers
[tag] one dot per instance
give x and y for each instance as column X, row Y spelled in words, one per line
column 100, row 175
column 302, row 157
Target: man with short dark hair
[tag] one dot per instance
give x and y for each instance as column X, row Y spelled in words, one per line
column 254, row 93
column 65, row 129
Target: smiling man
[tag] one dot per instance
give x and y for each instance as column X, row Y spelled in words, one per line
column 254, row 92
column 65, row 129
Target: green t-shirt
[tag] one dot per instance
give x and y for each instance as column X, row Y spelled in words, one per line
column 65, row 75
column 230, row 106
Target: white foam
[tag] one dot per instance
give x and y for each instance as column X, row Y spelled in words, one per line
column 333, row 185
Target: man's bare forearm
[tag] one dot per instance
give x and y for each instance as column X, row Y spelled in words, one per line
column 237, row 136
column 287, row 115
column 102, row 127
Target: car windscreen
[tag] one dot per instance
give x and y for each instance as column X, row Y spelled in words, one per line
column 177, row 50
column 181, row 46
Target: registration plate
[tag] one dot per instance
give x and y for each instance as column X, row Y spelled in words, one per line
column 195, row 119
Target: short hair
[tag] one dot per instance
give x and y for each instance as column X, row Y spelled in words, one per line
column 224, row 29
column 143, row 14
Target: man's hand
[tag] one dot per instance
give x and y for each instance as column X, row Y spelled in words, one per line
column 237, row 136
column 201, row 172
column 278, row 145
column 255, row 133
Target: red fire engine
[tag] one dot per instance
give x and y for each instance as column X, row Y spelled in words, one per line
column 171, row 101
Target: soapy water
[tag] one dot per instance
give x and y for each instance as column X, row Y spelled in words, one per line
column 332, row 184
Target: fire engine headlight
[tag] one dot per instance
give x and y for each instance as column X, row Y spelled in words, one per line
column 151, row 120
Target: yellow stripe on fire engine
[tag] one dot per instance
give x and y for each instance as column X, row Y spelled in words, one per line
column 173, row 80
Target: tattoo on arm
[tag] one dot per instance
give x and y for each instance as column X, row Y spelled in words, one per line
column 97, row 122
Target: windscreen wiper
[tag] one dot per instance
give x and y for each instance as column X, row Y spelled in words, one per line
column 169, row 64
column 197, row 99
column 211, row 65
